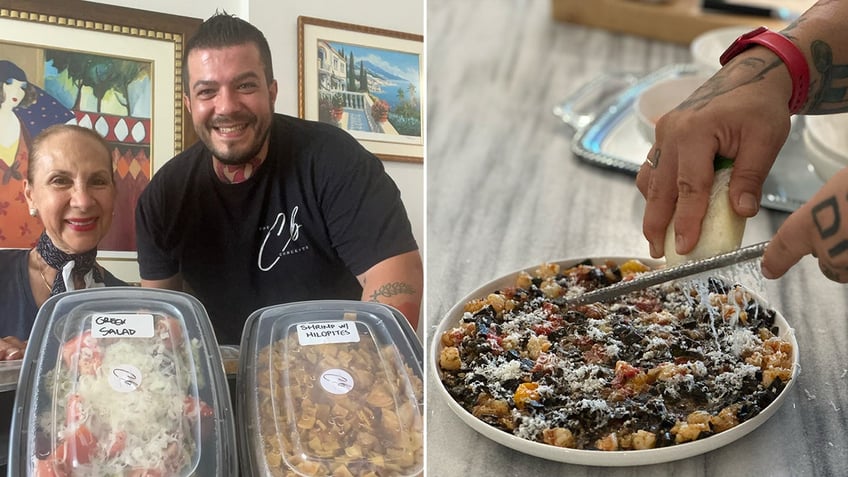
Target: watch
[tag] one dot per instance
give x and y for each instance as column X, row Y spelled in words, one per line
column 788, row 52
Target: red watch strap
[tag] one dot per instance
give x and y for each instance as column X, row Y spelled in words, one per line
column 787, row 51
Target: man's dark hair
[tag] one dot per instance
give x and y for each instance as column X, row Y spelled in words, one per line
column 222, row 30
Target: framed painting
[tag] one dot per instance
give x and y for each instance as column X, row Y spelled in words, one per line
column 112, row 69
column 367, row 81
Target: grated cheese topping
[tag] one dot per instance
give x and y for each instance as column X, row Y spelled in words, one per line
column 603, row 372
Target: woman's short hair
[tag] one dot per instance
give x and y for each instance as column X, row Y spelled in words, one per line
column 38, row 144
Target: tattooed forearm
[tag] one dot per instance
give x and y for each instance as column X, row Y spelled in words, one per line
column 392, row 289
column 830, row 93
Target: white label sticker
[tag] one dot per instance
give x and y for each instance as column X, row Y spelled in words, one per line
column 336, row 381
column 115, row 325
column 330, row 332
column 124, row 378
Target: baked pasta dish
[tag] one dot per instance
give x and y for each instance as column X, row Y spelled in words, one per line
column 658, row 367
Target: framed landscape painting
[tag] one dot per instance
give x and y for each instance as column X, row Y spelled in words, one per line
column 367, row 81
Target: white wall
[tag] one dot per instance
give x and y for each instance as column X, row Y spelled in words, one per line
column 278, row 20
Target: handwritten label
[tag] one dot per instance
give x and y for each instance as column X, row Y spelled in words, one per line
column 336, row 381
column 124, row 378
column 116, row 325
column 329, row 332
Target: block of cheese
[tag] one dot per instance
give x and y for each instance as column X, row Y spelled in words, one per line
column 721, row 229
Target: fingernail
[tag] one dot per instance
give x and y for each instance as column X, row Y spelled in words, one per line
column 767, row 273
column 653, row 250
column 679, row 242
column 12, row 353
column 748, row 204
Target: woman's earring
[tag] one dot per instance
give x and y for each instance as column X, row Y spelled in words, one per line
column 33, row 212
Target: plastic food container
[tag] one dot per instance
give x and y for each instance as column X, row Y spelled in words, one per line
column 9, row 372
column 230, row 355
column 122, row 381
column 330, row 388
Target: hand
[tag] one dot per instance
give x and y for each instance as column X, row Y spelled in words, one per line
column 742, row 113
column 819, row 227
column 11, row 348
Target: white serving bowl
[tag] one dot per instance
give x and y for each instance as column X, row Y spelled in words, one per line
column 624, row 458
column 826, row 138
column 707, row 47
column 661, row 98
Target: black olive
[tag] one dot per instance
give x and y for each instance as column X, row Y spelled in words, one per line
column 665, row 439
column 575, row 317
column 717, row 285
column 627, row 334
column 599, row 277
column 557, row 334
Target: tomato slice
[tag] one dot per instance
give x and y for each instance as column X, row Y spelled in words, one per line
column 84, row 352
column 73, row 412
column 119, row 442
column 193, row 406
column 50, row 467
column 78, row 446
column 146, row 473
column 170, row 331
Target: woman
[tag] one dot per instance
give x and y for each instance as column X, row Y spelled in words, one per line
column 71, row 189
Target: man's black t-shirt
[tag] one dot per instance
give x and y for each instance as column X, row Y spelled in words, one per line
column 317, row 212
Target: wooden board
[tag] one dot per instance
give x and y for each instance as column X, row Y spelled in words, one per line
column 678, row 21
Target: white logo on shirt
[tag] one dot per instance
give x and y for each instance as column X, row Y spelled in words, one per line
column 276, row 230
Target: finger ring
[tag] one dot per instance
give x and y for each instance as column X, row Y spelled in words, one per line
column 653, row 160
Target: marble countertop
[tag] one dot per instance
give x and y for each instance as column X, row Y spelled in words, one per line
column 504, row 192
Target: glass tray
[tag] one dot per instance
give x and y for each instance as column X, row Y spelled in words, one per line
column 601, row 113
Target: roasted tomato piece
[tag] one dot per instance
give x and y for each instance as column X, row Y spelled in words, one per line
column 525, row 393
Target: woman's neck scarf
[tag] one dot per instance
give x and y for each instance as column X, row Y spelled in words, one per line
column 69, row 266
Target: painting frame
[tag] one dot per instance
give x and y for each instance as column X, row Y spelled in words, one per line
column 108, row 30
column 388, row 147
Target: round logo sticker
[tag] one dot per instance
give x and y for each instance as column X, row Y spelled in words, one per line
column 125, row 378
column 336, row 381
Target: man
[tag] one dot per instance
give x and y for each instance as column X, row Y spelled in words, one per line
column 268, row 208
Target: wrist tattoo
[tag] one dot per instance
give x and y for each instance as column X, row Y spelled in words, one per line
column 725, row 81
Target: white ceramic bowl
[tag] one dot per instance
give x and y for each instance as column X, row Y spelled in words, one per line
column 593, row 457
column 661, row 98
column 707, row 47
column 826, row 138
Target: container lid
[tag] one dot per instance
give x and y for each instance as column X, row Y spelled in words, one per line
column 330, row 388
column 230, row 355
column 9, row 372
column 122, row 381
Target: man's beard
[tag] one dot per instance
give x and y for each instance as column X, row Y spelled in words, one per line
column 233, row 157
